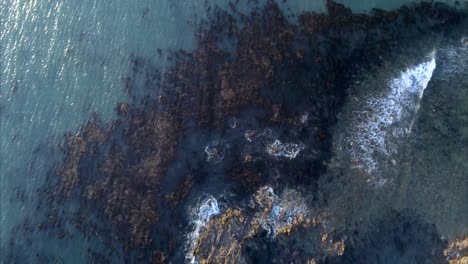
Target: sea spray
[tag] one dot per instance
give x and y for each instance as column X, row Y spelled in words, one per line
column 271, row 212
column 383, row 121
column 201, row 215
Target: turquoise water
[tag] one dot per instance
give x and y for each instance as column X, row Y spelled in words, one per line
column 63, row 61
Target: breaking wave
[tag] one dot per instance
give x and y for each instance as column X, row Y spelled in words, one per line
column 273, row 213
column 202, row 215
column 383, row 121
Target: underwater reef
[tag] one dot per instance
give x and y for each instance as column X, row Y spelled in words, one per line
column 226, row 156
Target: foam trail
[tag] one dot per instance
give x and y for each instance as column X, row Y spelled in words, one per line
column 288, row 150
column 382, row 121
column 208, row 208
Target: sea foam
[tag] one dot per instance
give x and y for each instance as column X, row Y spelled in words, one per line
column 383, row 121
column 201, row 216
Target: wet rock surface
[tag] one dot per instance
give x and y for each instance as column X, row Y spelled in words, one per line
column 238, row 120
column 457, row 251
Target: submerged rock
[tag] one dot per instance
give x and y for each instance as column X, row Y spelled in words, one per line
column 226, row 237
column 457, row 251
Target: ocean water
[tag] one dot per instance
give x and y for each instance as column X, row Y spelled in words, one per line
column 63, row 62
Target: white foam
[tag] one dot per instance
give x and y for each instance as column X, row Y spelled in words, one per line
column 284, row 209
column 272, row 212
column 252, row 135
column 288, row 150
column 464, row 41
column 304, row 118
column 380, row 124
column 216, row 151
column 202, row 215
